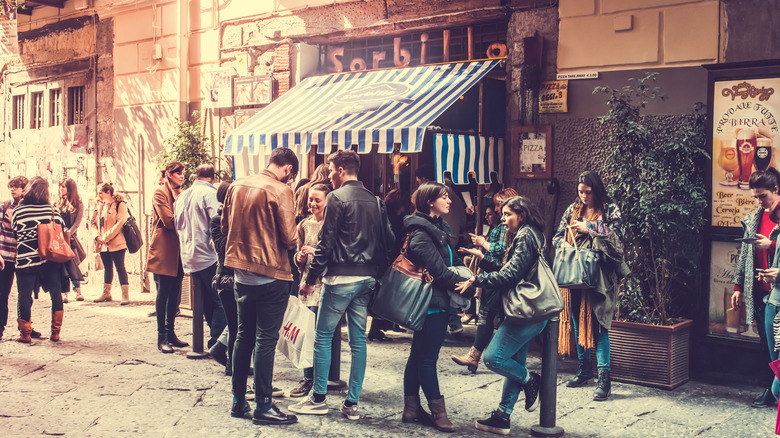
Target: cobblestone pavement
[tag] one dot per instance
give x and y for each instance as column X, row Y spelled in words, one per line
column 107, row 379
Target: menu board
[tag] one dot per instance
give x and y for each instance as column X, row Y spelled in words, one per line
column 744, row 130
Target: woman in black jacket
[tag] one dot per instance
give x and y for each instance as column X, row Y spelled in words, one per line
column 429, row 247
column 507, row 351
column 223, row 282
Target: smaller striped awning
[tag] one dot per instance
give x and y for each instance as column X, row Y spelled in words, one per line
column 463, row 154
column 359, row 110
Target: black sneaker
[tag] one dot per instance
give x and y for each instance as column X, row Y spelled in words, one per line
column 531, row 390
column 497, row 422
column 241, row 410
column 273, row 416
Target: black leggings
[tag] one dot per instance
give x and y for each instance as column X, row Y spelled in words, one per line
column 117, row 258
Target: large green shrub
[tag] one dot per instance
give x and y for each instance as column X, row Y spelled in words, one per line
column 189, row 145
column 655, row 171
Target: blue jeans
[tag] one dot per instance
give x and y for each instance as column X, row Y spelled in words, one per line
column 506, row 355
column 769, row 318
column 336, row 300
column 308, row 372
column 602, row 336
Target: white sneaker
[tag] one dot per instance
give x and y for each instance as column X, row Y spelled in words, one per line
column 309, row 407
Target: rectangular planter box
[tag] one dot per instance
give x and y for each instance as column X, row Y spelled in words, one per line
column 650, row 355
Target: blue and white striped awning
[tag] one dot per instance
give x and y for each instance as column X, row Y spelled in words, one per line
column 381, row 107
column 464, row 154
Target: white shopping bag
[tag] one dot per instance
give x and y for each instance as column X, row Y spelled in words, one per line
column 296, row 337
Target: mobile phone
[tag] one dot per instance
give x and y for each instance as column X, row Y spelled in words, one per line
column 760, row 271
column 747, row 239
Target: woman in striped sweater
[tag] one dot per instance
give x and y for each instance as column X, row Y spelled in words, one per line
column 33, row 210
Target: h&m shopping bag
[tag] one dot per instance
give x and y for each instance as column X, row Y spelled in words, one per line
column 296, row 337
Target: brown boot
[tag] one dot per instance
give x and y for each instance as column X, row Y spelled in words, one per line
column 79, row 297
column 125, row 294
column 56, row 325
column 414, row 412
column 470, row 359
column 106, row 293
column 439, row 414
column 25, row 328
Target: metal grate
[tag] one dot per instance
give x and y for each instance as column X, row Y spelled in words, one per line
column 18, row 112
column 55, row 107
column 36, row 110
column 76, row 105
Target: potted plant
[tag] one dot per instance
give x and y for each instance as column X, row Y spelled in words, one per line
column 655, row 171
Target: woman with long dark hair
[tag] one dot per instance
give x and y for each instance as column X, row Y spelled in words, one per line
column 588, row 312
column 507, row 352
column 111, row 213
column 320, row 176
column 34, row 209
column 223, row 284
column 72, row 211
column 429, row 247
column 164, row 259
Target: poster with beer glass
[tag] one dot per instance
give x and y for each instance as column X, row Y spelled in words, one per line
column 724, row 319
column 744, row 140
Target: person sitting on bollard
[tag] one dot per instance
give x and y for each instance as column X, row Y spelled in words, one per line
column 507, row 352
column 308, row 236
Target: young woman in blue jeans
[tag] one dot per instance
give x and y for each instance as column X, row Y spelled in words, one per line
column 507, row 352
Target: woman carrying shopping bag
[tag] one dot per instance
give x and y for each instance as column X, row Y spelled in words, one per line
column 592, row 221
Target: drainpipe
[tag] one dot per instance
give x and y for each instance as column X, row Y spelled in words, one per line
column 184, row 58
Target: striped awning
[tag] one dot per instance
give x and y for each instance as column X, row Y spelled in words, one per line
column 381, row 107
column 464, row 154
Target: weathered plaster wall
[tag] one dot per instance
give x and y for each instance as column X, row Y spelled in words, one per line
column 751, row 30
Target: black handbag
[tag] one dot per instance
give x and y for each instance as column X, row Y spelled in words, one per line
column 131, row 232
column 576, row 267
column 404, row 293
column 536, row 297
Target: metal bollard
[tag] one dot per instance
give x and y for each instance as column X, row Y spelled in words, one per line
column 197, row 322
column 334, row 374
column 547, row 391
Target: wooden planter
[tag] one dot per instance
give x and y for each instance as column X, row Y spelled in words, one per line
column 650, row 355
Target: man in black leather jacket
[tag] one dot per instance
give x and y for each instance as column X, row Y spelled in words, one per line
column 355, row 242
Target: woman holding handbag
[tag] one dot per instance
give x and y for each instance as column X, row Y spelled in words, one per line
column 507, row 351
column 428, row 237
column 588, row 312
column 34, row 210
column 72, row 211
column 110, row 215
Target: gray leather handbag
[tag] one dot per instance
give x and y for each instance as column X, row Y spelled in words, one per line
column 576, row 267
column 536, row 297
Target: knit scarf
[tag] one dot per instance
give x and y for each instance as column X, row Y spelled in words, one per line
column 585, row 319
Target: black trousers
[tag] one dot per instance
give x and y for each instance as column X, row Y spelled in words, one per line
column 260, row 315
column 116, row 258
column 6, row 281
column 49, row 276
column 167, row 303
column 228, row 298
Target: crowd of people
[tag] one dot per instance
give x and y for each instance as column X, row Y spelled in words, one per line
column 249, row 244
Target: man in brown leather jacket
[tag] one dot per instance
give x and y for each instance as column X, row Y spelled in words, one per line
column 258, row 219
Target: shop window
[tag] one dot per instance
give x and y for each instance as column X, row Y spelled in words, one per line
column 18, row 112
column 75, row 105
column 36, row 110
column 55, row 105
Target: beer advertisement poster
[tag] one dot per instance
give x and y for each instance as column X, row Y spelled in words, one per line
column 744, row 130
column 724, row 319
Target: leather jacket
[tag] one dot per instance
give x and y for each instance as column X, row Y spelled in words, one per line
column 429, row 247
column 258, row 218
column 523, row 253
column 351, row 236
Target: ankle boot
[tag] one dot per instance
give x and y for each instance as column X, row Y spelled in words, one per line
column 175, row 341
column 79, row 297
column 106, row 293
column 414, row 412
column 125, row 294
column 25, row 328
column 470, row 359
column 56, row 325
column 764, row 400
column 583, row 376
column 439, row 414
column 163, row 345
column 65, row 298
column 604, row 387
